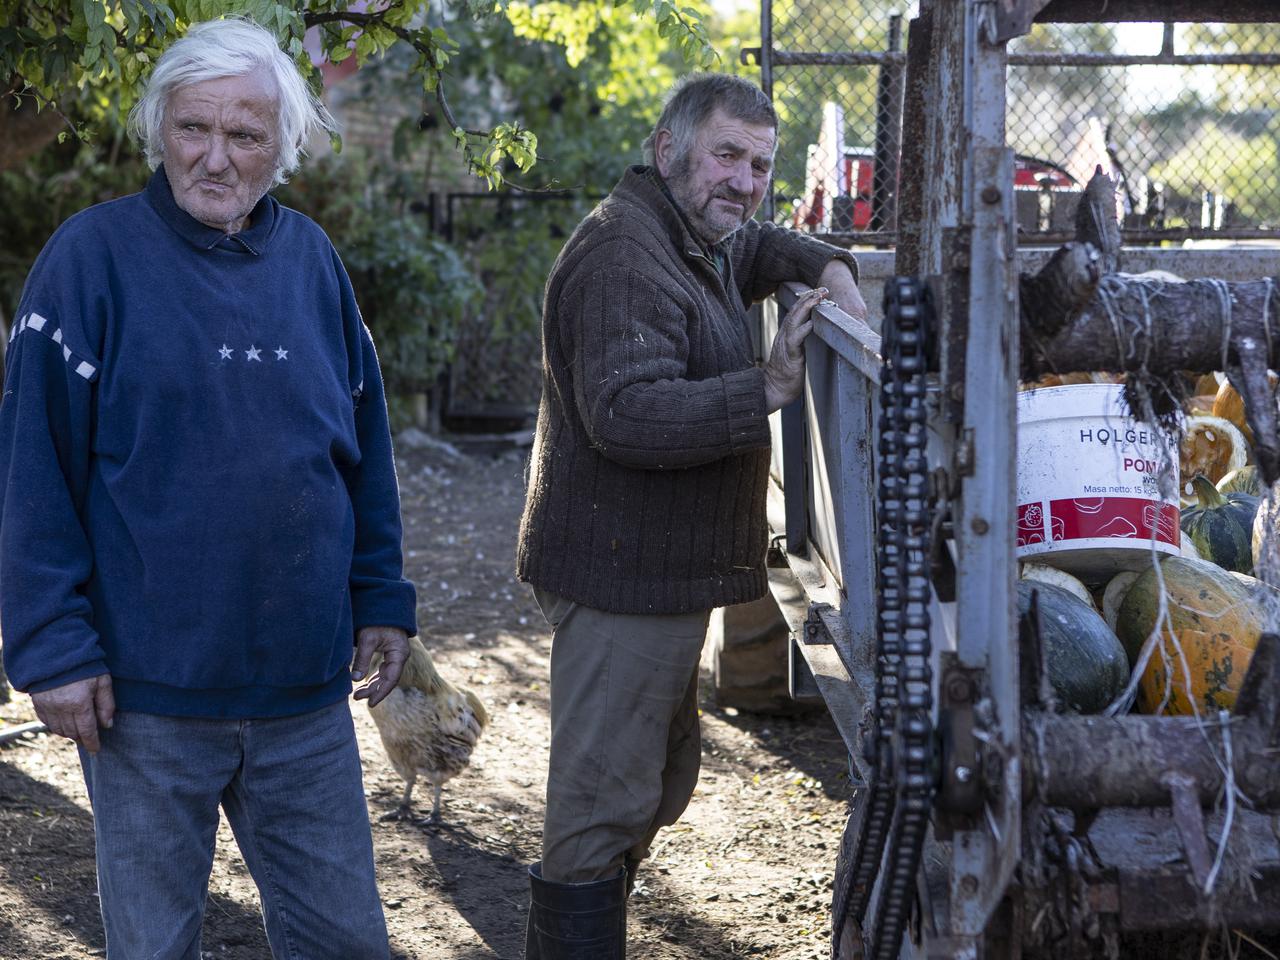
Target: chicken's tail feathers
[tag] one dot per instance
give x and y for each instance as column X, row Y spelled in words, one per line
column 478, row 708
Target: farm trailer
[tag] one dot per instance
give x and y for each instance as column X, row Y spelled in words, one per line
column 983, row 824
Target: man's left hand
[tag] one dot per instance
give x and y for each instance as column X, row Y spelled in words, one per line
column 838, row 279
column 393, row 644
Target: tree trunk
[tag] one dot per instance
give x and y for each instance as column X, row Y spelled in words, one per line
column 1160, row 326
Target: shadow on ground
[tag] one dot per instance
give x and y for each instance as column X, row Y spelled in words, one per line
column 47, row 838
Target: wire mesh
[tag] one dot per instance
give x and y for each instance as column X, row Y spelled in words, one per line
column 509, row 242
column 1182, row 115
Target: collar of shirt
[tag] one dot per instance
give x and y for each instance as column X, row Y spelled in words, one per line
column 254, row 239
column 693, row 246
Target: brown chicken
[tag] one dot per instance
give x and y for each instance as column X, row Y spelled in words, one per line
column 428, row 726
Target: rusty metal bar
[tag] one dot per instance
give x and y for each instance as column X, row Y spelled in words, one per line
column 853, row 238
column 22, row 730
column 1139, row 235
column 884, row 190
column 1186, row 11
column 766, row 79
column 847, row 58
column 881, row 58
column 885, row 238
column 1140, row 60
column 911, row 163
column 986, row 626
column 1013, row 18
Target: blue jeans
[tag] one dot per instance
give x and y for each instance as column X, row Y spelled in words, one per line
column 293, row 794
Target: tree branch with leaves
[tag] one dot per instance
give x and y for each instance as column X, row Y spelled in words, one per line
column 95, row 54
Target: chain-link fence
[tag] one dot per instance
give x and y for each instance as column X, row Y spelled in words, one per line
column 1184, row 116
column 509, row 242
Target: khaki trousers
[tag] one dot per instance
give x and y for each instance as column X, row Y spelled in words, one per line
column 625, row 743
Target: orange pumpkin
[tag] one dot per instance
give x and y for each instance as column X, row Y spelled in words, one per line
column 1206, row 384
column 1229, row 405
column 1216, row 618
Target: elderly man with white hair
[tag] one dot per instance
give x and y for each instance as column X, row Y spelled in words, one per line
column 199, row 520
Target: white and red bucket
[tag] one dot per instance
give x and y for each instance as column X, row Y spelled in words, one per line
column 1089, row 498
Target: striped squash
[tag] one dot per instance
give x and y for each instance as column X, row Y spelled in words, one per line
column 1216, row 618
column 1244, row 480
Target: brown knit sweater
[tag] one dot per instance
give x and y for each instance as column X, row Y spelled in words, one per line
column 649, row 468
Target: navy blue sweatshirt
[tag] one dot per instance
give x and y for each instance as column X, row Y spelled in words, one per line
column 197, row 489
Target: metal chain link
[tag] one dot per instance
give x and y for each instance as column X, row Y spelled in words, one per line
column 895, row 810
column 905, row 522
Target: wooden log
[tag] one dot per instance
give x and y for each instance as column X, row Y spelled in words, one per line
column 1079, row 315
column 1135, row 323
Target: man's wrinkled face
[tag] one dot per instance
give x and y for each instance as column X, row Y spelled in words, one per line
column 720, row 182
column 220, row 148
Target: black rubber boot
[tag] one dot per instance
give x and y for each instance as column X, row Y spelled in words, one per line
column 577, row 921
column 531, row 935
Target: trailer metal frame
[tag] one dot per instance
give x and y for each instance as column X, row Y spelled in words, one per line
column 1008, row 766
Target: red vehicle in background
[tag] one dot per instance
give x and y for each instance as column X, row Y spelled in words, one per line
column 855, row 211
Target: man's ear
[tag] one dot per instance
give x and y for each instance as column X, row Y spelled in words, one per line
column 663, row 151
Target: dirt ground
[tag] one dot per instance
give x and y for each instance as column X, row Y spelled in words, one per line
column 746, row 873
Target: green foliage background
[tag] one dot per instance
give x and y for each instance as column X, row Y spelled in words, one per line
column 413, row 288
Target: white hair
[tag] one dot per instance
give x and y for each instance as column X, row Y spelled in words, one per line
column 233, row 47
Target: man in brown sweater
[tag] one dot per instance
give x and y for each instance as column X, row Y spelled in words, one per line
column 646, row 499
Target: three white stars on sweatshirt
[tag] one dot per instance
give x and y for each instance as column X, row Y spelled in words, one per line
column 253, row 353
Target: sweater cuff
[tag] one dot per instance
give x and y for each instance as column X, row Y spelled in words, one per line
column 748, row 421
column 815, row 257
column 393, row 604
column 83, row 672
column 845, row 257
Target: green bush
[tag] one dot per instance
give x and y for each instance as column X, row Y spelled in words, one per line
column 412, row 287
column 54, row 184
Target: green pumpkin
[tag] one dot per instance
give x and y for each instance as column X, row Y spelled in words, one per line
column 1085, row 660
column 1221, row 527
column 1244, row 480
